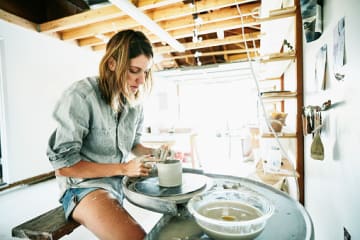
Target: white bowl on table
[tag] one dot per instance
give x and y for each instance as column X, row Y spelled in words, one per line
column 231, row 214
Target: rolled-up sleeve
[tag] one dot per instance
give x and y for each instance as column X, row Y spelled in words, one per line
column 139, row 127
column 72, row 116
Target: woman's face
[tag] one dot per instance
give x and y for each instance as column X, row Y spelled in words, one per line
column 138, row 72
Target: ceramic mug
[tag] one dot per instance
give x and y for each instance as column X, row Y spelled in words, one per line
column 169, row 173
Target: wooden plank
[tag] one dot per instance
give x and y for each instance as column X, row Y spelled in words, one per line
column 28, row 181
column 276, row 179
column 171, row 12
column 279, row 14
column 300, row 101
column 205, row 29
column 95, row 15
column 212, row 42
column 281, row 135
column 50, row 225
column 11, row 18
column 168, row 23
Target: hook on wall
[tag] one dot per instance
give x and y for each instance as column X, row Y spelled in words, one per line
column 312, row 116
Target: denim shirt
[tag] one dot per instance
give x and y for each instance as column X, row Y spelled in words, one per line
column 88, row 129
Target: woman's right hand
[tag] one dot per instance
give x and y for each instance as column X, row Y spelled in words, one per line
column 137, row 168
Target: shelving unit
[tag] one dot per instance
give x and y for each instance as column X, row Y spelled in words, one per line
column 283, row 66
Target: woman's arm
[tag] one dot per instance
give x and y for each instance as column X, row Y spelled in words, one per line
column 85, row 169
column 140, row 150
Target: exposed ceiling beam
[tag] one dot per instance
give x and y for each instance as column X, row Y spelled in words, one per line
column 11, row 18
column 235, row 51
column 111, row 25
column 96, row 15
column 201, row 6
column 94, row 27
column 213, row 42
column 242, row 56
column 213, row 27
column 148, row 23
column 91, row 41
column 209, row 28
column 209, row 17
column 203, row 44
column 82, row 19
column 168, row 24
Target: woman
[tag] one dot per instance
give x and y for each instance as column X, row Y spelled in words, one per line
column 99, row 123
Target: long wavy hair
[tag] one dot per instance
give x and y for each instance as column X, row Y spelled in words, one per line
column 122, row 47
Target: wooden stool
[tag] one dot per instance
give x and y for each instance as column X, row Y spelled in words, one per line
column 48, row 226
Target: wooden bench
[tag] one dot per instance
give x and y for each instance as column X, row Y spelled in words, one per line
column 50, row 225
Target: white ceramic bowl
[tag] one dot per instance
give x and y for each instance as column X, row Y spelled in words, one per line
column 231, row 214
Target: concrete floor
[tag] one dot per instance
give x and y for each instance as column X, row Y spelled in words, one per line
column 23, row 203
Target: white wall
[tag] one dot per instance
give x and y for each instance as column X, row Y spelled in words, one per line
column 332, row 193
column 35, row 70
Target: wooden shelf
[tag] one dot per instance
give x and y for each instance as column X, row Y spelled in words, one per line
column 273, row 178
column 280, row 13
column 278, row 96
column 280, row 135
column 275, row 64
column 278, row 57
column 270, row 79
column 283, row 11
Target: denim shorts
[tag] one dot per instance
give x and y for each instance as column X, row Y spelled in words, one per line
column 72, row 197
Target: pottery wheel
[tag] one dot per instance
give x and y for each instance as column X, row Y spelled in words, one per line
column 190, row 183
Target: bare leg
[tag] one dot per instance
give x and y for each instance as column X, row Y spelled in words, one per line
column 106, row 218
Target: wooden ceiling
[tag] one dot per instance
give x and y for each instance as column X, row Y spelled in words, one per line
column 90, row 25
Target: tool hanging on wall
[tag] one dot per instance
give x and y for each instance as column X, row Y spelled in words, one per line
column 312, row 124
column 317, row 147
column 312, row 118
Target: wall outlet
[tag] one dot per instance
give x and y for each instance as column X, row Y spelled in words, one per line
column 347, row 235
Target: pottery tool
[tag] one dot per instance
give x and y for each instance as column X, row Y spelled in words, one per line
column 317, row 147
